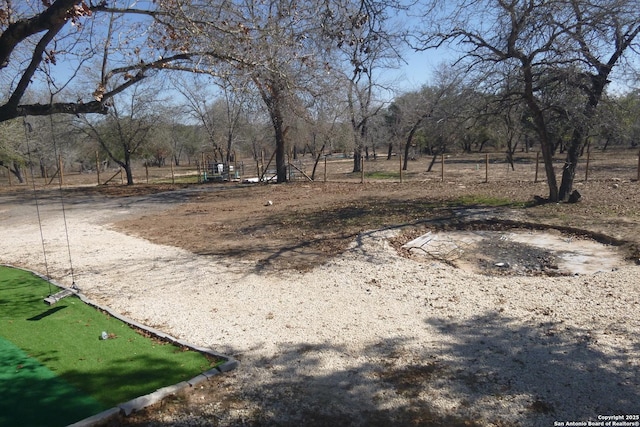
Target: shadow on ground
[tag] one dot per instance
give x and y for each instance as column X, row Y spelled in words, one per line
column 487, row 370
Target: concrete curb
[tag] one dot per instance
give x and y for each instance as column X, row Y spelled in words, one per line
column 127, row 408
column 97, row 418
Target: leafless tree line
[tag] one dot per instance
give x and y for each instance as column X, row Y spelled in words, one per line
column 311, row 74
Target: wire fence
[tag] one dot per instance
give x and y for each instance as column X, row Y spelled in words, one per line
column 620, row 164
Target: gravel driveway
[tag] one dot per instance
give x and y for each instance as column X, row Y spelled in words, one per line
column 367, row 338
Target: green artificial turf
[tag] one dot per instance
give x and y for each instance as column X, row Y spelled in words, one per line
column 32, row 395
column 65, row 340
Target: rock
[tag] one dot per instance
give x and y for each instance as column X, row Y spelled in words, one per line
column 575, row 196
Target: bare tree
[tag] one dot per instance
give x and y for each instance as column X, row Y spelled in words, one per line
column 286, row 49
column 274, row 44
column 12, row 147
column 126, row 128
column 368, row 41
column 61, row 41
column 543, row 49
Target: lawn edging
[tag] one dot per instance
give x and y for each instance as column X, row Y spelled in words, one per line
column 138, row 403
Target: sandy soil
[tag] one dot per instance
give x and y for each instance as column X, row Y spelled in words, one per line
column 331, row 323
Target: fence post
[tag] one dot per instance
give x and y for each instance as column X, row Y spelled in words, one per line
column 173, row 180
column 400, row 156
column 61, row 170
column 205, row 167
column 361, row 169
column 586, row 169
column 442, row 167
column 486, row 167
column 638, row 178
column 236, row 174
column 325, row 169
column 537, row 162
column 98, row 167
column 146, row 171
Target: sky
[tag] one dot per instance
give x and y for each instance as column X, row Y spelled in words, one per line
column 417, row 72
column 419, row 69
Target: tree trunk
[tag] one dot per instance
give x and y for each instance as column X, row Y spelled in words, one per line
column 317, row 159
column 390, row 151
column 126, row 165
column 510, row 160
column 129, row 174
column 273, row 95
column 484, row 141
column 405, row 161
column 552, row 183
column 433, row 161
column 357, row 154
column 17, row 172
column 43, row 169
column 229, row 147
column 569, row 169
column 578, row 138
column 412, row 132
column 357, row 159
column 281, row 165
column 540, row 127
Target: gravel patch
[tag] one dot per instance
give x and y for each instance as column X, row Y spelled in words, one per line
column 369, row 338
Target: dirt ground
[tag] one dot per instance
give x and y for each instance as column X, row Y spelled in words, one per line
column 303, row 224
column 306, row 224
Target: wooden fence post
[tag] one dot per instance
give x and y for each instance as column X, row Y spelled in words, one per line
column 400, row 156
column 204, row 167
column 98, row 167
column 146, row 171
column 61, row 170
column 638, row 178
column 442, row 167
column 235, row 167
column 586, row 169
column 325, row 169
column 537, row 163
column 361, row 170
column 486, row 167
column 173, row 180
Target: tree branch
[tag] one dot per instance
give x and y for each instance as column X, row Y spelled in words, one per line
column 22, row 29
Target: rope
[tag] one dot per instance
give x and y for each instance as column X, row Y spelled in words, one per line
column 27, row 128
column 64, row 212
